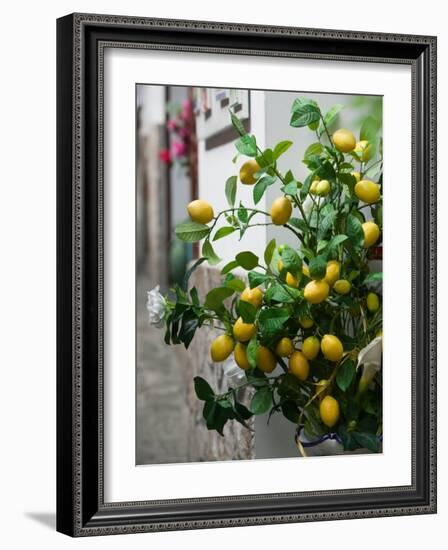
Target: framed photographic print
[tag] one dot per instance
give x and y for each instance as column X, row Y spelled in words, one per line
column 246, row 275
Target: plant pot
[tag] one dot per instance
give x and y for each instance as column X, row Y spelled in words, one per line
column 329, row 444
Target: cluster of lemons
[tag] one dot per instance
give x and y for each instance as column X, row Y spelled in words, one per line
column 315, row 291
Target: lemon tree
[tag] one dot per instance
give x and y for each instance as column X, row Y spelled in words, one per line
column 301, row 318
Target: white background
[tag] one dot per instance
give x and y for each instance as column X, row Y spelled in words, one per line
column 27, row 229
column 125, row 482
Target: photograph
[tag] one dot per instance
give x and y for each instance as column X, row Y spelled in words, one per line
column 259, row 320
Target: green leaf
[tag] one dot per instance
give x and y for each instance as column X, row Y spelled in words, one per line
column 256, row 279
column 242, row 214
column 271, row 320
column 318, row 267
column 305, row 189
column 289, row 387
column 279, row 293
column 251, row 351
column 247, row 145
column 209, row 253
column 299, row 223
column 354, row 231
column 281, row 148
column 290, row 188
column 229, row 267
column 237, row 124
column 304, row 112
column 291, row 260
column 247, row 311
column 191, row 271
column 236, row 284
column 223, row 232
column 261, row 186
column 335, row 241
column 369, row 441
column 321, row 245
column 330, row 117
column 326, row 223
column 369, row 129
column 261, row 401
column 191, row 232
column 216, row 296
column 202, row 389
column 247, row 260
column 231, row 190
column 373, row 277
column 345, row 374
column 269, row 251
column 242, row 413
column 313, row 149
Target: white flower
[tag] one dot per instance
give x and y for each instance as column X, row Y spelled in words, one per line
column 307, row 205
column 370, row 359
column 234, row 374
column 156, row 307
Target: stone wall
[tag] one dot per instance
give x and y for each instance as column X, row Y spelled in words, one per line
column 204, row 445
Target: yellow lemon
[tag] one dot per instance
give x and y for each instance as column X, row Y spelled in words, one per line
column 322, row 388
column 356, row 175
column 364, row 150
column 306, row 322
column 266, row 360
column 306, row 271
column 316, row 291
column 313, row 187
column 284, row 347
column 200, row 211
column 332, row 272
column 311, row 347
column 240, row 356
column 371, row 233
column 342, row 286
column 291, row 280
column 281, row 211
column 247, row 172
column 252, row 295
column 243, row 332
column 367, row 191
column 344, row 140
column 332, row 348
column 299, row 366
column 329, row 411
column 373, row 302
column 221, row 348
column 323, row 188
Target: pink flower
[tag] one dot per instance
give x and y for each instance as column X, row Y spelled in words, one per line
column 184, row 132
column 171, row 124
column 164, row 156
column 178, row 149
column 186, row 109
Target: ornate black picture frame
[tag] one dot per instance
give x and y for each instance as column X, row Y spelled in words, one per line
column 81, row 509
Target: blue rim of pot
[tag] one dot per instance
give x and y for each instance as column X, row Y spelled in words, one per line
column 328, row 436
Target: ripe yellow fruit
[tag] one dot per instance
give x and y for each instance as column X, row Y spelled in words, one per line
column 332, row 348
column 243, row 332
column 306, row 322
column 367, row 191
column 371, row 233
column 248, row 170
column 313, row 187
column 306, row 271
column 252, row 295
column 311, row 347
column 332, row 272
column 316, row 291
column 200, row 211
column 291, row 280
column 329, row 411
column 221, row 348
column 322, row 388
column 284, row 347
column 356, row 175
column 281, row 211
column 240, row 356
column 342, row 286
column 373, row 302
column 323, row 188
column 344, row 140
column 265, row 359
column 364, row 150
column 299, row 366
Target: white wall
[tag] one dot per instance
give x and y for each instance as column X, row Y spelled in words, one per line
column 27, row 229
